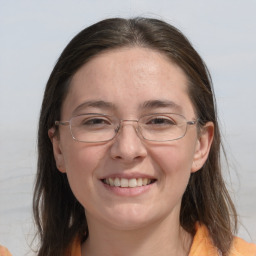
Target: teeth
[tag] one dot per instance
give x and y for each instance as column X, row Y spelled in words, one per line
column 124, row 183
column 132, row 183
column 127, row 183
column 117, row 182
column 111, row 182
column 144, row 181
column 139, row 182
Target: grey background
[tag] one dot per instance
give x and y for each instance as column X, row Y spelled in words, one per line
column 33, row 34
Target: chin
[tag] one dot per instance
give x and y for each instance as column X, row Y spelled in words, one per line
column 130, row 217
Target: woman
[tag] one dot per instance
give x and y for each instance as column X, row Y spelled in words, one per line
column 129, row 149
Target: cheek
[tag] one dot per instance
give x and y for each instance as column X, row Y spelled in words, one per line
column 81, row 163
column 83, row 158
column 174, row 157
column 174, row 162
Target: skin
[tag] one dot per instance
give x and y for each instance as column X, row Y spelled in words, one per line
column 148, row 222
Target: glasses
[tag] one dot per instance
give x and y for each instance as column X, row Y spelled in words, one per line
column 93, row 127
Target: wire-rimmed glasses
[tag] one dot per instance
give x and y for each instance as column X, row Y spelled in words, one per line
column 95, row 128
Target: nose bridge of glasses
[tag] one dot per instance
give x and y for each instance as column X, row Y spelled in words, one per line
column 129, row 122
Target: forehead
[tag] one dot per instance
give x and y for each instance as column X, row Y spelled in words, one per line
column 126, row 78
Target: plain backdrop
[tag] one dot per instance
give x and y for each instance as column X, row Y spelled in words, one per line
column 33, row 34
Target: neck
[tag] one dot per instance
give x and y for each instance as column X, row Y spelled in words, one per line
column 158, row 239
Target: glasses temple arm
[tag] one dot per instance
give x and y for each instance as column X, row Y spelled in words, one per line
column 57, row 123
column 193, row 122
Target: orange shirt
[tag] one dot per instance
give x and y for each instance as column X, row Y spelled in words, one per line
column 202, row 246
column 4, row 251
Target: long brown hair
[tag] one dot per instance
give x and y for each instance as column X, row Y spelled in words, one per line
column 58, row 215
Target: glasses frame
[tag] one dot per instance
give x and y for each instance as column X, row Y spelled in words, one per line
column 121, row 121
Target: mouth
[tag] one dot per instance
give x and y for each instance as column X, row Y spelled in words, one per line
column 128, row 183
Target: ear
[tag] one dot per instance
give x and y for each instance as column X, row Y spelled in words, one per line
column 203, row 146
column 59, row 159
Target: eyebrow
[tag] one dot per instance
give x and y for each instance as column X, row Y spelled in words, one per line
column 147, row 105
column 151, row 104
column 94, row 104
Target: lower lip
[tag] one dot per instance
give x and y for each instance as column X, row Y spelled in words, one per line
column 128, row 191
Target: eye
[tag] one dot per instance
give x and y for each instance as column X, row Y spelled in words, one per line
column 161, row 121
column 95, row 121
column 91, row 122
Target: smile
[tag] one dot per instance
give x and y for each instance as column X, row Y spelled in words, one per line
column 128, row 183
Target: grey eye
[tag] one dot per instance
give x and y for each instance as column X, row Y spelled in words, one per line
column 160, row 121
column 96, row 121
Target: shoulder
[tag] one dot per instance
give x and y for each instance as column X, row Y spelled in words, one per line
column 4, row 251
column 203, row 245
column 242, row 248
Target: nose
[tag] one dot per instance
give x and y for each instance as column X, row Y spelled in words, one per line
column 127, row 146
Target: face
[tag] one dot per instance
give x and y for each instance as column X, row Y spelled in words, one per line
column 123, row 81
